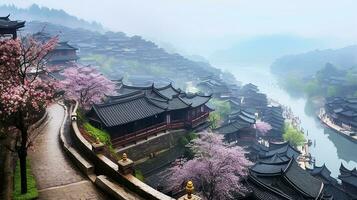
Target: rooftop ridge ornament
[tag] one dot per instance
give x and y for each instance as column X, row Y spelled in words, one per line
column 124, row 158
column 189, row 189
column 189, row 192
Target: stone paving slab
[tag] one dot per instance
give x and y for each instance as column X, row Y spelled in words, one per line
column 56, row 176
column 80, row 190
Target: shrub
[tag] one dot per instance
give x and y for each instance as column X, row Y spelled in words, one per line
column 103, row 136
column 139, row 175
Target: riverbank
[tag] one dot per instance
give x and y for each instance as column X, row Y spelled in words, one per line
column 323, row 138
column 326, row 121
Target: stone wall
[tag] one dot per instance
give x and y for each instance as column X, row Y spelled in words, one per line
column 104, row 166
column 153, row 146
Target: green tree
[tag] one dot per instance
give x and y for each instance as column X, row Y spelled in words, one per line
column 292, row 135
column 332, row 91
column 222, row 107
column 214, row 119
column 312, row 88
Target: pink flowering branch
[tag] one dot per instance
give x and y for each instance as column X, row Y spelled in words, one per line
column 217, row 170
column 86, row 85
column 262, row 127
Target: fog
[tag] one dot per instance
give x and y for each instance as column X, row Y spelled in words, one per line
column 206, row 26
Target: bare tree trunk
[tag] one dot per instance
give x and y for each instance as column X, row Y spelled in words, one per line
column 22, row 157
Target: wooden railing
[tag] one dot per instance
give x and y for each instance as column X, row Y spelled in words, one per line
column 143, row 134
column 139, row 135
column 198, row 120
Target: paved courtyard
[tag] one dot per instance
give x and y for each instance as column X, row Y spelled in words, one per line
column 57, row 177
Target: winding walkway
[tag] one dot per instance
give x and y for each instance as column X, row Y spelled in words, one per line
column 56, row 176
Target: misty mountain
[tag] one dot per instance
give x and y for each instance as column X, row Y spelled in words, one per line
column 263, row 50
column 309, row 63
column 44, row 14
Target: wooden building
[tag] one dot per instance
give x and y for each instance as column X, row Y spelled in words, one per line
column 349, row 180
column 9, row 27
column 62, row 54
column 342, row 112
column 284, row 180
column 276, row 151
column 333, row 188
column 239, row 128
column 274, row 116
column 139, row 112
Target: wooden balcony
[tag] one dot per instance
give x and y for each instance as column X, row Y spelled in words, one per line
column 198, row 120
column 139, row 135
column 143, row 134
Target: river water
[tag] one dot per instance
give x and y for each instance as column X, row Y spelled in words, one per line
column 330, row 148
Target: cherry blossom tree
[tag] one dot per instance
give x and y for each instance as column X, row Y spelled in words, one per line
column 23, row 94
column 262, row 127
column 216, row 170
column 85, row 85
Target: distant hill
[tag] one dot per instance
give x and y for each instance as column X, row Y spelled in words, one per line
column 263, row 50
column 44, row 14
column 309, row 63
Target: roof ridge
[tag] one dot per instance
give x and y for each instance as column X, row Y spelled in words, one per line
column 121, row 101
column 136, row 87
column 158, row 93
column 153, row 103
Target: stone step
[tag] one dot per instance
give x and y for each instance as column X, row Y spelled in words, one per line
column 114, row 189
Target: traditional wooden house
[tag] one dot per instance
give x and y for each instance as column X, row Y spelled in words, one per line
column 239, row 128
column 9, row 27
column 139, row 112
column 214, row 86
column 349, row 180
column 333, row 188
column 284, row 180
column 63, row 53
column 274, row 116
column 343, row 112
column 252, row 98
column 276, row 151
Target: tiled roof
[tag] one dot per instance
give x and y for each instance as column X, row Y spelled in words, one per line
column 6, row 23
column 127, row 110
column 287, row 179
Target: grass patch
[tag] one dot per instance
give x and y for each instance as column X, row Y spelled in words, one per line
column 32, row 191
column 139, row 175
column 103, row 136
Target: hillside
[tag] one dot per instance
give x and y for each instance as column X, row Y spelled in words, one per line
column 263, row 50
column 43, row 14
column 309, row 63
column 119, row 55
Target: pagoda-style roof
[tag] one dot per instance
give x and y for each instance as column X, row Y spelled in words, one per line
column 195, row 100
column 275, row 149
column 243, row 115
column 232, row 127
column 323, row 173
column 7, row 24
column 64, row 46
column 286, row 180
column 348, row 176
column 126, row 110
column 139, row 102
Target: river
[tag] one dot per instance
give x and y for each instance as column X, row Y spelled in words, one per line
column 331, row 148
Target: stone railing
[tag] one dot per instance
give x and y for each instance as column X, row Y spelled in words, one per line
column 117, row 172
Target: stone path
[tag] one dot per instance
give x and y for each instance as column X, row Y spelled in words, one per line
column 57, row 177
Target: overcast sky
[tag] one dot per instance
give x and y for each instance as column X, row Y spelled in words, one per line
column 194, row 25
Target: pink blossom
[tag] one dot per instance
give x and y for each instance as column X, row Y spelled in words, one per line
column 86, row 85
column 23, row 93
column 262, row 127
column 216, row 170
